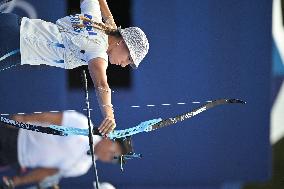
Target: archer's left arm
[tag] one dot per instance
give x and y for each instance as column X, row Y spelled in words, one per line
column 106, row 13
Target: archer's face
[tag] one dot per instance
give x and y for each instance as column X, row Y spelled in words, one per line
column 120, row 55
column 106, row 150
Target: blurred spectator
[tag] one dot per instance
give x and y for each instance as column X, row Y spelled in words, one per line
column 50, row 155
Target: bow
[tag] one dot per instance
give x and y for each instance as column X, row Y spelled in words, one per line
column 145, row 126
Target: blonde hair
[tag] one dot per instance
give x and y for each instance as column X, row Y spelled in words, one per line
column 101, row 26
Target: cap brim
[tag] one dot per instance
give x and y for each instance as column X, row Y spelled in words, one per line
column 121, row 33
column 133, row 66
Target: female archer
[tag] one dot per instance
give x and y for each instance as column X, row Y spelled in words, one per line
column 75, row 40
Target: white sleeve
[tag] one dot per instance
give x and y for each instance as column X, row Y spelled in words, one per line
column 96, row 54
column 92, row 7
column 97, row 48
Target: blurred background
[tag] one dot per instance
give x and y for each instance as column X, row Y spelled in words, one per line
column 199, row 51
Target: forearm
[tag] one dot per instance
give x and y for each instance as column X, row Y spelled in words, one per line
column 105, row 9
column 97, row 69
column 35, row 176
column 106, row 14
column 103, row 94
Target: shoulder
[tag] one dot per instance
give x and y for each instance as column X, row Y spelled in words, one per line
column 98, row 63
column 88, row 1
column 91, row 9
column 96, row 50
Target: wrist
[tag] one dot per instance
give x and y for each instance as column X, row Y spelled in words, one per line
column 106, row 18
column 109, row 115
column 107, row 110
column 109, row 21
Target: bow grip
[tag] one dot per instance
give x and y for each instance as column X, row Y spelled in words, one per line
column 96, row 131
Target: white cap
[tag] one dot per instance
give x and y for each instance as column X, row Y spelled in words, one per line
column 137, row 44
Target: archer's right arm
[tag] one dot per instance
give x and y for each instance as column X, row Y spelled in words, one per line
column 97, row 69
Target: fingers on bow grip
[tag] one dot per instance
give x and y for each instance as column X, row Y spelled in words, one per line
column 107, row 126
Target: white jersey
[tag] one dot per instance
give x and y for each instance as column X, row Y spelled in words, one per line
column 63, row 44
column 68, row 154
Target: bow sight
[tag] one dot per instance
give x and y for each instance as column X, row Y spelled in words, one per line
column 122, row 159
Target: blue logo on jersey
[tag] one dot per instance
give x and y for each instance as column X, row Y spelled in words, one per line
column 75, row 20
column 88, row 25
column 59, row 61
